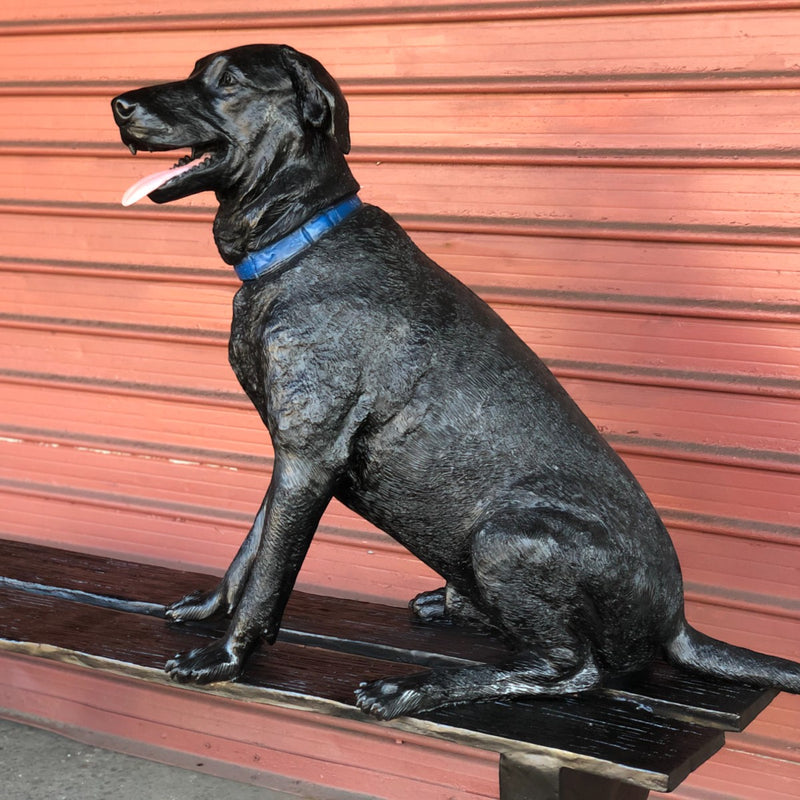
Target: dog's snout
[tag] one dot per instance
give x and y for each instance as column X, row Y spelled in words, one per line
column 123, row 109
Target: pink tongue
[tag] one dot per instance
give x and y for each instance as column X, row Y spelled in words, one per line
column 150, row 183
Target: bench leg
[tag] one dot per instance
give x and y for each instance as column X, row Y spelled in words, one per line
column 532, row 778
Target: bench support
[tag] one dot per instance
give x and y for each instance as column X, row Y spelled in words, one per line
column 542, row 778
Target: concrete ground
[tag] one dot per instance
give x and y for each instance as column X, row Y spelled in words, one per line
column 36, row 764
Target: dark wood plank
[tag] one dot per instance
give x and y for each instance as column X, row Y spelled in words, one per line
column 602, row 734
column 349, row 624
column 371, row 629
column 100, row 575
column 681, row 694
column 135, row 641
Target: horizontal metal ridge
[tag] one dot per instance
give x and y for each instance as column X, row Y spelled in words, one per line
column 662, row 376
column 695, row 307
column 223, row 276
column 679, row 450
column 756, row 385
column 110, row 328
column 773, row 605
column 765, row 746
column 699, row 233
column 118, row 500
column 179, row 394
column 384, row 15
column 757, row 530
column 690, row 233
column 650, row 82
column 769, row 460
column 163, row 451
column 643, row 157
column 659, row 82
column 10, row 205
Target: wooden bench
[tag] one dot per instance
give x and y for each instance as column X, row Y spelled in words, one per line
column 645, row 733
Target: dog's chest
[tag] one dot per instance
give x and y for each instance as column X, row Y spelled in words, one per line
column 291, row 351
column 246, row 351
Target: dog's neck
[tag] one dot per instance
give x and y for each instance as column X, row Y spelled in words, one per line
column 287, row 199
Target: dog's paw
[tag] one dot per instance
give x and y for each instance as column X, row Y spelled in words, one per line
column 205, row 665
column 198, row 605
column 430, row 606
column 387, row 698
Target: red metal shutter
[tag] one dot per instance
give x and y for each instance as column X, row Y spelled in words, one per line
column 621, row 180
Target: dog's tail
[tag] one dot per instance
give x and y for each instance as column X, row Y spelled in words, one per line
column 694, row 650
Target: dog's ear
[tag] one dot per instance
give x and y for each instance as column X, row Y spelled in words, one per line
column 319, row 97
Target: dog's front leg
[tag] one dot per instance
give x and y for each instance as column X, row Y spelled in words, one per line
column 299, row 492
column 226, row 595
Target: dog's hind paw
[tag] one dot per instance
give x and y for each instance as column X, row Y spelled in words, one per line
column 430, row 606
column 205, row 665
column 387, row 699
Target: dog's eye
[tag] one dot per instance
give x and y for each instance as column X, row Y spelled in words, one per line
column 227, row 79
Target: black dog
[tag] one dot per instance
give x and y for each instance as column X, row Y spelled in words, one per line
column 386, row 383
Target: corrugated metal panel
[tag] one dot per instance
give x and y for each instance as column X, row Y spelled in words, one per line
column 619, row 179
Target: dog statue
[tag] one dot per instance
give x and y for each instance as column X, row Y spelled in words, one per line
column 387, row 384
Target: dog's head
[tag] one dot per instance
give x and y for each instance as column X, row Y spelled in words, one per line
column 242, row 114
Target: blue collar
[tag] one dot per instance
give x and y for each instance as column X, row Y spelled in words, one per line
column 262, row 261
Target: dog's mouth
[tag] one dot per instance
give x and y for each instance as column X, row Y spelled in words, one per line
column 186, row 176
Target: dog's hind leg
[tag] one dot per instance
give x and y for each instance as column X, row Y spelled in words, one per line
column 528, row 674
column 225, row 596
column 448, row 605
column 527, row 590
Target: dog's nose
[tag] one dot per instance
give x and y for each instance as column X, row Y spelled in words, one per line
column 123, row 109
